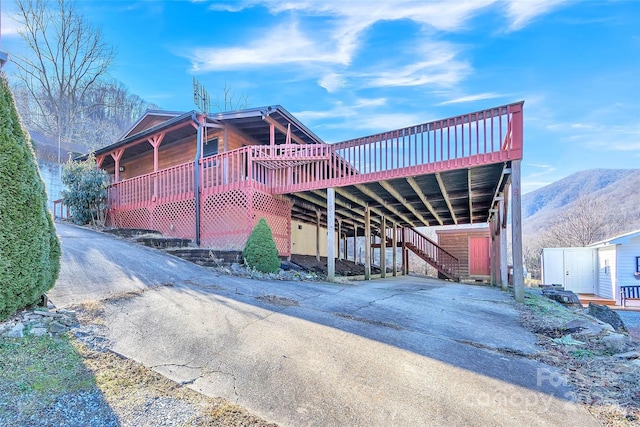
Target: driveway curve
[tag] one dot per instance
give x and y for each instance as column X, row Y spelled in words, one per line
column 400, row 351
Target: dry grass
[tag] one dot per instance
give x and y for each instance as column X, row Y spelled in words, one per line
column 608, row 386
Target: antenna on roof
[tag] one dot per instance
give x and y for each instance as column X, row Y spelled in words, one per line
column 201, row 97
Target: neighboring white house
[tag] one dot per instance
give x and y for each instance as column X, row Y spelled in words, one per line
column 599, row 269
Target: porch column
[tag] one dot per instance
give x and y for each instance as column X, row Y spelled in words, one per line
column 272, row 135
column 117, row 155
column 394, row 243
column 155, row 142
column 516, row 231
column 383, row 247
column 504, row 274
column 331, row 228
column 367, row 244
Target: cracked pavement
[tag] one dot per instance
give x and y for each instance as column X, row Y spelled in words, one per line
column 398, row 351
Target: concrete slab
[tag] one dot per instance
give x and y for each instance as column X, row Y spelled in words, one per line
column 401, row 351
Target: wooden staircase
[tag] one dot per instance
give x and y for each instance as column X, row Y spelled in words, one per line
column 448, row 266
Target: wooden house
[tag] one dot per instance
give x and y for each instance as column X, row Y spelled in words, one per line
column 211, row 177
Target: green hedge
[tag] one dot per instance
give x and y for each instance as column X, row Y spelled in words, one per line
column 260, row 251
column 29, row 246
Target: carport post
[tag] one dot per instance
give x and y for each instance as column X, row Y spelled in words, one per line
column 383, row 247
column 493, row 231
column 339, row 245
column 331, row 236
column 516, row 231
column 394, row 254
column 367, row 243
column 355, row 244
column 405, row 260
column 504, row 279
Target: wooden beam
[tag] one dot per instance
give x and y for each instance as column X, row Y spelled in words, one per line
column 470, row 196
column 283, row 130
column 412, row 182
column 404, row 202
column 443, row 190
column 516, row 231
column 379, row 200
column 350, row 196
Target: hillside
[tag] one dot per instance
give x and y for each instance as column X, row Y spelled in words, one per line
column 614, row 188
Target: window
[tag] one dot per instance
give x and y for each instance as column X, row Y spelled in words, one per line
column 210, row 148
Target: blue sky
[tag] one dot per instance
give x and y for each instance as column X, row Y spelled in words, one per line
column 352, row 68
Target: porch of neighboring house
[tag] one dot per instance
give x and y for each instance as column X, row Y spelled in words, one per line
column 210, row 178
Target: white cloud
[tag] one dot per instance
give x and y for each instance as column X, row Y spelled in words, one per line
column 361, row 115
column 332, row 82
column 472, row 98
column 9, row 26
column 342, row 35
column 284, row 44
column 522, row 12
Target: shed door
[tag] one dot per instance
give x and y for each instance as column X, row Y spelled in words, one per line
column 579, row 269
column 479, row 259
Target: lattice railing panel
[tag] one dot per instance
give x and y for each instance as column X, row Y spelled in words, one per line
column 277, row 212
column 176, row 219
column 224, row 221
column 133, row 218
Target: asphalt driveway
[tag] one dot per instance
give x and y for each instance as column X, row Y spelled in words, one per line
column 400, row 351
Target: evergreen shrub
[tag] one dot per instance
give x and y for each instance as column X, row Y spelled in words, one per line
column 86, row 191
column 260, row 251
column 29, row 246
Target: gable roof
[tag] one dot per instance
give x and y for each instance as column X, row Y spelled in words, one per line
column 619, row 240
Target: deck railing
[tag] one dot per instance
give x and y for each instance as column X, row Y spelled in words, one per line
column 174, row 183
column 483, row 137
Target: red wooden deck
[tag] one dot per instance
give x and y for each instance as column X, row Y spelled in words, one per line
column 443, row 172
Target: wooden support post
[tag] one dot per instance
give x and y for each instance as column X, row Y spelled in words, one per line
column 394, row 243
column 405, row 260
column 317, row 235
column 516, row 231
column 272, row 136
column 331, row 236
column 383, row 247
column 495, row 260
column 355, row 244
column 504, row 273
column 339, row 226
column 367, row 244
column 492, row 229
column 117, row 155
column 345, row 243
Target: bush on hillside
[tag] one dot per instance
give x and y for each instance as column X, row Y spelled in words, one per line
column 260, row 251
column 29, row 246
column 86, row 191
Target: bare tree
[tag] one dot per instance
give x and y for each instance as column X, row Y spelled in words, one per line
column 229, row 100
column 583, row 223
column 67, row 57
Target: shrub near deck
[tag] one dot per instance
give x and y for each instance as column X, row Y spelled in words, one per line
column 29, row 246
column 261, row 252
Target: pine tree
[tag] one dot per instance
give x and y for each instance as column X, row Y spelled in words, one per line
column 29, row 246
column 260, row 251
